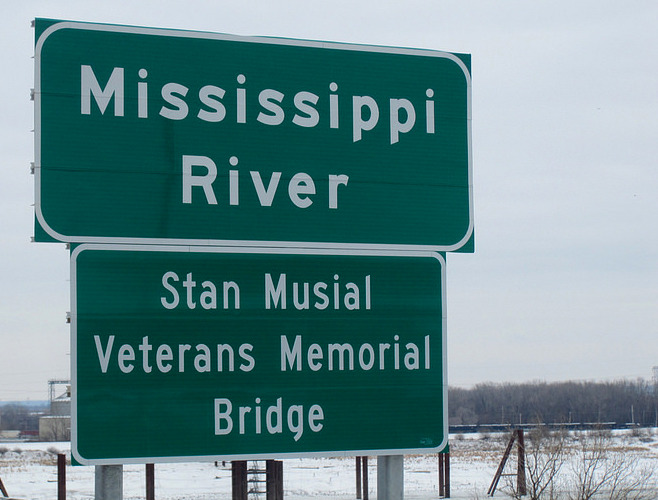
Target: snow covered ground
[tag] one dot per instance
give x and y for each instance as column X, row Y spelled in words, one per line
column 28, row 471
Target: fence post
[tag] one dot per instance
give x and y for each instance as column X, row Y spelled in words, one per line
column 520, row 467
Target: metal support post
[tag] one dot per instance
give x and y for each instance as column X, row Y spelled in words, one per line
column 239, row 478
column 364, row 465
column 442, row 476
column 446, row 493
column 362, row 478
column 61, row 476
column 274, row 472
column 109, row 482
column 358, row 478
column 150, row 481
column 390, row 477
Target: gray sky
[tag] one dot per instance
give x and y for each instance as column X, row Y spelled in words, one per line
column 564, row 281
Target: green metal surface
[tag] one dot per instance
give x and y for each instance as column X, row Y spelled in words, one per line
column 120, row 110
column 363, row 374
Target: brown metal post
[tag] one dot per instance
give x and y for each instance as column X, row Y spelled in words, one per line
column 150, row 481
column 520, row 465
column 364, row 465
column 239, row 479
column 61, row 477
column 279, row 473
column 270, row 481
column 442, row 484
column 358, row 478
column 447, row 476
column 274, row 474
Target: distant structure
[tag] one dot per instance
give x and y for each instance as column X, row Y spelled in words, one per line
column 52, row 384
column 57, row 425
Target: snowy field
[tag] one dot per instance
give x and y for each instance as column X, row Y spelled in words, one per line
column 28, row 471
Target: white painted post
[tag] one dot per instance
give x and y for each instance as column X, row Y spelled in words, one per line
column 109, row 482
column 390, row 477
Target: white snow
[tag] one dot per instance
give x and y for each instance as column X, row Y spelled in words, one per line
column 29, row 471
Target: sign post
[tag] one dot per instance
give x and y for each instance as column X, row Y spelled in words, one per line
column 390, row 477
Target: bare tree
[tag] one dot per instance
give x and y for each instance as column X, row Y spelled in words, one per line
column 58, row 429
column 601, row 471
column 630, row 481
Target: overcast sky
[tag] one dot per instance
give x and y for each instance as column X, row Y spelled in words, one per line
column 564, row 281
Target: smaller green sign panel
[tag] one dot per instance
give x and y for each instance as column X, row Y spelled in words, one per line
column 183, row 353
column 159, row 136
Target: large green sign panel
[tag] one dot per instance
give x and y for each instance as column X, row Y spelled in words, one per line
column 159, row 136
column 188, row 352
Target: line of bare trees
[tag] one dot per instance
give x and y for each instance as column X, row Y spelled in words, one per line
column 621, row 402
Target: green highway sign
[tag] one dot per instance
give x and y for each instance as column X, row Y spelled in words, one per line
column 160, row 136
column 186, row 353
